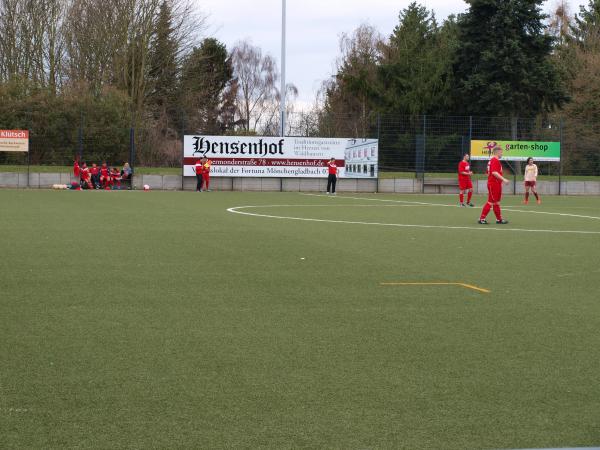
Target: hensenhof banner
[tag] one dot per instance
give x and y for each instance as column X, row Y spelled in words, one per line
column 517, row 150
column 289, row 157
column 14, row 141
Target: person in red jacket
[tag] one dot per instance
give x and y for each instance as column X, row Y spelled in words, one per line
column 115, row 178
column 465, row 184
column 332, row 172
column 206, row 163
column 104, row 175
column 198, row 172
column 95, row 173
column 86, row 179
column 494, row 185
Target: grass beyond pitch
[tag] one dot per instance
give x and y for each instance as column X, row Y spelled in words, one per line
column 160, row 320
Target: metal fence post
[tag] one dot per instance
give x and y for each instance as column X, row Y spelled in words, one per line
column 470, row 132
column 132, row 147
column 80, row 135
column 182, row 149
column 378, row 149
column 424, row 152
column 30, row 120
column 560, row 128
column 28, row 166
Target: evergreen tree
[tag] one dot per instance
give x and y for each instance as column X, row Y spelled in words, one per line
column 581, row 61
column 164, row 68
column 503, row 65
column 587, row 23
column 206, row 74
column 416, row 64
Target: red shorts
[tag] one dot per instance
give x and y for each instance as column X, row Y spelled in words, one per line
column 463, row 185
column 530, row 184
column 494, row 192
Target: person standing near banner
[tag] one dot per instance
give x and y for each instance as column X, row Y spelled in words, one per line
column 531, row 174
column 206, row 163
column 333, row 172
column 198, row 172
column 465, row 184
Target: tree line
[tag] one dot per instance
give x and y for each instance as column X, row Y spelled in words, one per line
column 111, row 65
column 498, row 59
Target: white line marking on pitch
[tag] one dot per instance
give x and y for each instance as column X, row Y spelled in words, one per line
column 235, row 209
column 456, row 206
column 348, row 205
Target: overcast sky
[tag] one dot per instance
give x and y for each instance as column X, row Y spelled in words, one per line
column 314, row 29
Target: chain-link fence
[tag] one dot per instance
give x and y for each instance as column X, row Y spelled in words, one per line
column 429, row 145
column 409, row 146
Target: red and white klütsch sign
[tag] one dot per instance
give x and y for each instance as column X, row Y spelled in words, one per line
column 14, row 140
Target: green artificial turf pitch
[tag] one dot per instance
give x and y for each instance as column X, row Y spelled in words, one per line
column 161, row 320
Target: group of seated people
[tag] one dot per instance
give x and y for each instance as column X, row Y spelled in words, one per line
column 102, row 177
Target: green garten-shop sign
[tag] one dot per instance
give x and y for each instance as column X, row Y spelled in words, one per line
column 517, row 150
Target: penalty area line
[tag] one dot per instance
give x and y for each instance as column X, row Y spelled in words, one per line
column 439, row 283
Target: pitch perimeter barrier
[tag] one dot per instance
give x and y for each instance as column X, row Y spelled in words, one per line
column 33, row 180
column 419, row 147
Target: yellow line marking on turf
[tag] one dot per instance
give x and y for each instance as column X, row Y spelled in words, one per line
column 439, row 283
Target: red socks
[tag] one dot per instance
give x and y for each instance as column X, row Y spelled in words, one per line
column 527, row 196
column 486, row 211
column 469, row 197
column 462, row 198
column 497, row 211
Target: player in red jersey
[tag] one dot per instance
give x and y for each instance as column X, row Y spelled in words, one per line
column 206, row 163
column 464, row 181
column 333, row 172
column 104, row 175
column 495, row 181
column 95, row 173
column 198, row 172
column 115, row 178
column 86, row 179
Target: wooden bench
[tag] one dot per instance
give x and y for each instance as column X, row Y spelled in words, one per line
column 440, row 183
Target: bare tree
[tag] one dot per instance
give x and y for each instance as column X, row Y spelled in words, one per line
column 347, row 97
column 31, row 45
column 560, row 22
column 271, row 121
column 256, row 76
column 109, row 41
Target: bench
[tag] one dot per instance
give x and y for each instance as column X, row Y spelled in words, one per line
column 439, row 184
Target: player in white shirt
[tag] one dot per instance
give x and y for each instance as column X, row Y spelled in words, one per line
column 531, row 173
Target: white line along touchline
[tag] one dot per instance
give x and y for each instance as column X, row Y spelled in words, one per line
column 509, row 208
column 236, row 210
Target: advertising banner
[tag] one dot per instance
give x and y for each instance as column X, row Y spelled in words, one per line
column 289, row 157
column 517, row 150
column 14, row 141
